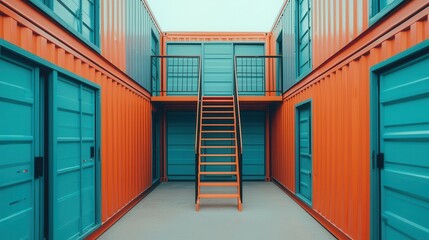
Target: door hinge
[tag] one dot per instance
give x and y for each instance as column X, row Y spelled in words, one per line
column 38, row 167
column 380, row 160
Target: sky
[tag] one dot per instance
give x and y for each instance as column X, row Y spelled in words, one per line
column 215, row 15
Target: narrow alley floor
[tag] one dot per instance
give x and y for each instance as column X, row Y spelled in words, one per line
column 169, row 213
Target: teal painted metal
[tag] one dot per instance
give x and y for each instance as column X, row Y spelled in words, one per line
column 253, row 129
column 217, row 67
column 156, row 147
column 73, row 164
column 304, row 152
column 303, row 37
column 140, row 29
column 80, row 17
column 285, row 30
column 218, row 70
column 255, row 67
column 155, row 63
column 8, row 49
column 380, row 8
column 181, row 143
column 19, row 145
column 404, row 139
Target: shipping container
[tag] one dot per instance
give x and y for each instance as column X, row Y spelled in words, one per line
column 57, row 65
column 99, row 106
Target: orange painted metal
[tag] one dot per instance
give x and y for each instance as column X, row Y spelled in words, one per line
column 339, row 90
column 213, row 37
column 126, row 121
column 112, row 27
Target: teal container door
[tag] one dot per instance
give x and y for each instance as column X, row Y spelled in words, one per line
column 181, row 145
column 253, row 131
column 218, row 69
column 18, row 147
column 304, row 158
column 72, row 170
column 404, row 140
column 156, row 147
column 304, row 36
column 250, row 71
column 155, row 63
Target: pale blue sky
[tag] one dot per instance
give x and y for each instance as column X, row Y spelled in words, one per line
column 215, row 15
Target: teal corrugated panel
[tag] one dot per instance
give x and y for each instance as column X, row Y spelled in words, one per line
column 139, row 31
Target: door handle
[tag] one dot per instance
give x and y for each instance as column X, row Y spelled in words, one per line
column 92, row 152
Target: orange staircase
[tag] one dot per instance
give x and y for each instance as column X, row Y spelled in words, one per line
column 218, row 168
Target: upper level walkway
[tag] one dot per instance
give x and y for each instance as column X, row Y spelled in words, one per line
column 176, row 79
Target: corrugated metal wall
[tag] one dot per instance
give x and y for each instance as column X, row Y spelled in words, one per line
column 341, row 128
column 285, row 26
column 335, row 24
column 126, row 108
column 113, row 32
column 139, row 28
column 215, row 37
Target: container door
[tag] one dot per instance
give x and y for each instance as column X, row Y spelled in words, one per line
column 18, row 140
column 253, row 129
column 304, row 36
column 156, row 147
column 72, row 179
column 218, row 69
column 404, row 140
column 304, row 163
column 181, row 145
column 88, row 158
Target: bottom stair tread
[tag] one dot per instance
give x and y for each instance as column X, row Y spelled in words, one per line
column 218, row 195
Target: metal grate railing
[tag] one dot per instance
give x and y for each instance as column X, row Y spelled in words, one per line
column 251, row 74
column 181, row 73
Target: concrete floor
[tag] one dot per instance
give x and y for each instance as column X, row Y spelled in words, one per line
column 169, row 213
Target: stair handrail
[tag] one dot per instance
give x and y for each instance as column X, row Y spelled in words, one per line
column 238, row 129
column 197, row 127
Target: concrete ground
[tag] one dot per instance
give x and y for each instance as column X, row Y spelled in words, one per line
column 169, row 213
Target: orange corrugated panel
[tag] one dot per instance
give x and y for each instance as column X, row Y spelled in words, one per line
column 218, row 36
column 121, row 152
column 335, row 24
column 113, row 32
column 341, row 127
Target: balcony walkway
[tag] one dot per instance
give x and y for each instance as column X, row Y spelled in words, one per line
column 169, row 213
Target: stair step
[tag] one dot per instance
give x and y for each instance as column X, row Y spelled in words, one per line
column 216, row 147
column 217, row 163
column 229, row 112
column 218, row 106
column 218, row 101
column 221, row 118
column 223, row 97
column 218, row 184
column 218, row 155
column 218, row 195
column 218, row 124
column 217, row 139
column 218, row 131
column 218, row 173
